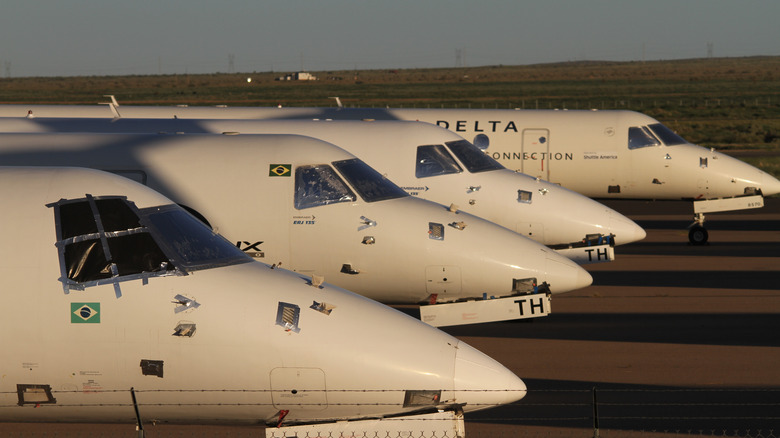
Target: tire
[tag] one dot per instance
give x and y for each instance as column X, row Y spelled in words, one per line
column 698, row 235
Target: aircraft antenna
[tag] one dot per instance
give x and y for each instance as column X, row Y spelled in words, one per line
column 113, row 105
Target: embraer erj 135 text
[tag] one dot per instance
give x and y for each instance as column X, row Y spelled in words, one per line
column 125, row 308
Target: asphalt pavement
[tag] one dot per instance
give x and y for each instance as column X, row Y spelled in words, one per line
column 670, row 336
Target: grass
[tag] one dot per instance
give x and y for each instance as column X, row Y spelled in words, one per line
column 726, row 103
column 769, row 165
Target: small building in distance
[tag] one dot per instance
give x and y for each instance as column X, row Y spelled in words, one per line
column 298, row 76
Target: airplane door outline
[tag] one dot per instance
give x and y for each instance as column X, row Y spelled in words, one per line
column 536, row 153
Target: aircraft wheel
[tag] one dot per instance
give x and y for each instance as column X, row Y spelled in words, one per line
column 698, row 235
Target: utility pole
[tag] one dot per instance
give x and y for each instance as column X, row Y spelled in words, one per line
column 460, row 57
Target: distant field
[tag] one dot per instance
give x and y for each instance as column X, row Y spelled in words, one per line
column 726, row 103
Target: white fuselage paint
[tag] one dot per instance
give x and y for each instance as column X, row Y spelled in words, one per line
column 240, row 366
column 382, row 249
column 585, row 151
column 550, row 215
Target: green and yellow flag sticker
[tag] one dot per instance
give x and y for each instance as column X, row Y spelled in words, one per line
column 85, row 313
column 280, row 170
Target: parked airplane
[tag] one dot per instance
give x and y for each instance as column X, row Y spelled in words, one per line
column 427, row 161
column 601, row 154
column 311, row 207
column 122, row 307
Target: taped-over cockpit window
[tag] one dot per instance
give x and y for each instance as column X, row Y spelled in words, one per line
column 669, row 137
column 640, row 137
column 472, row 157
column 433, row 160
column 370, row 184
column 106, row 240
column 103, row 238
column 319, row 185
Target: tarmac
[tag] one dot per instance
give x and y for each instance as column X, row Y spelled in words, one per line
column 671, row 339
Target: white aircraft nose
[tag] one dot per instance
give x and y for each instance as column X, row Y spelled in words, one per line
column 770, row 185
column 480, row 382
column 624, row 229
column 564, row 275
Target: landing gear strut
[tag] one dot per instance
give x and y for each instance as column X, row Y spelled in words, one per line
column 697, row 234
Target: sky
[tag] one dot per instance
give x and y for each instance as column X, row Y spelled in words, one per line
column 112, row 37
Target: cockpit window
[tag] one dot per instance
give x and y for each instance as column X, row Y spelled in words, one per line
column 433, row 160
column 472, row 157
column 102, row 239
column 640, row 137
column 669, row 137
column 370, row 184
column 189, row 244
column 319, row 185
column 106, row 240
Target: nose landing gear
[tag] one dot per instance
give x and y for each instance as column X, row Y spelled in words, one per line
column 697, row 234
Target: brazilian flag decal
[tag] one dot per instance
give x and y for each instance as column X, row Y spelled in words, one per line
column 280, row 170
column 85, row 313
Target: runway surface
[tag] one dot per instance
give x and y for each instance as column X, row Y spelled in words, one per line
column 672, row 337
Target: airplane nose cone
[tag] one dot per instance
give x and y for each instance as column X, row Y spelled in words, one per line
column 770, row 185
column 480, row 382
column 564, row 275
column 624, row 229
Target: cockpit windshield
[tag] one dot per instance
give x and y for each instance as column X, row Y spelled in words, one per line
column 319, row 185
column 370, row 184
column 107, row 240
column 641, row 137
column 669, row 137
column 472, row 157
column 188, row 242
column 434, row 160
